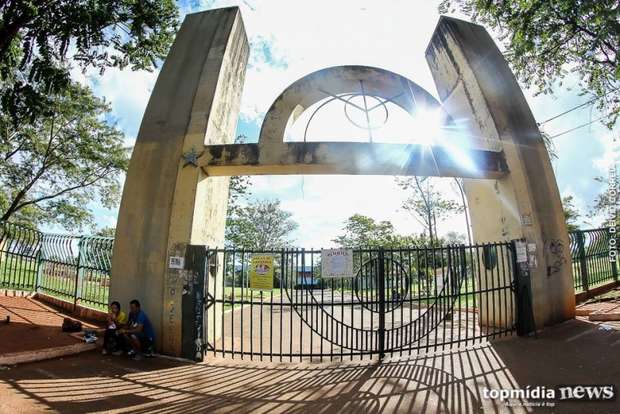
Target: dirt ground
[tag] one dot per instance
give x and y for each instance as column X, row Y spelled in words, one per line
column 575, row 352
column 32, row 326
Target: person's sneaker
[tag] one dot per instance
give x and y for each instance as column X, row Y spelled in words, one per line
column 137, row 357
column 149, row 352
column 131, row 353
column 117, row 353
column 90, row 339
column 104, row 351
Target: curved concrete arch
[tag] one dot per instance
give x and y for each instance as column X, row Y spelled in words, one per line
column 271, row 155
column 336, row 80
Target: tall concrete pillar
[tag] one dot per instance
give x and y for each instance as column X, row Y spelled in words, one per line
column 478, row 89
column 168, row 202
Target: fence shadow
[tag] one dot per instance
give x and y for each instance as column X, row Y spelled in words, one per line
column 445, row 383
column 574, row 352
column 571, row 353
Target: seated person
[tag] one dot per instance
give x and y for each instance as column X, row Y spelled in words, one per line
column 116, row 320
column 139, row 332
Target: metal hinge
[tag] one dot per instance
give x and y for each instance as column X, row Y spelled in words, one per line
column 209, row 301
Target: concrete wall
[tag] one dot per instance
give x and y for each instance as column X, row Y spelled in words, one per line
column 169, row 202
column 478, row 89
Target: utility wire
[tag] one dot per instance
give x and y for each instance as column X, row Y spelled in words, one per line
column 575, row 108
column 577, row 127
column 568, row 111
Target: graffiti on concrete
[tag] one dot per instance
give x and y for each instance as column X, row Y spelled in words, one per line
column 555, row 256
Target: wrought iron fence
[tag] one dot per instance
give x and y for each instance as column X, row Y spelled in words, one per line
column 399, row 301
column 77, row 268
column 71, row 268
column 591, row 260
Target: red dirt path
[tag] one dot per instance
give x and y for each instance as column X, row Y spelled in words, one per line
column 33, row 326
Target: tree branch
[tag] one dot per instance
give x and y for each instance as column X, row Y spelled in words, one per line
column 83, row 184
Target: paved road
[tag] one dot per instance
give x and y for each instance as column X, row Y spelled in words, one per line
column 335, row 323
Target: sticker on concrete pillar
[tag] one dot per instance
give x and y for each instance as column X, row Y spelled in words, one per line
column 261, row 272
column 176, row 262
column 521, row 252
column 336, row 263
column 526, row 219
column 531, row 253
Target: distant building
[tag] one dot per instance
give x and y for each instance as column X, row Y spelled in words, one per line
column 306, row 278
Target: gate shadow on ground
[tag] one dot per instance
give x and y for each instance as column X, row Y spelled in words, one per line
column 438, row 383
column 573, row 352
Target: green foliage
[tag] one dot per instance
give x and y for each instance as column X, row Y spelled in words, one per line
column 52, row 168
column 106, row 232
column 364, row 231
column 453, row 237
column 546, row 40
column 239, row 187
column 426, row 204
column 39, row 38
column 571, row 213
column 604, row 205
column 259, row 225
column 549, row 144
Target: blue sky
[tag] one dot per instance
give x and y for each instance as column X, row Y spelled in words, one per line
column 290, row 39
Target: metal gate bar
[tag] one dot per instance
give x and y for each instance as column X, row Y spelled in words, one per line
column 401, row 301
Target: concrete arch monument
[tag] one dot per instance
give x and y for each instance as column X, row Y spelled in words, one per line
column 177, row 185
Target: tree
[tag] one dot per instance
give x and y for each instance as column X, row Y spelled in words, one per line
column 106, row 232
column 51, row 169
column 571, row 213
column 453, row 237
column 364, row 231
column 605, row 204
column 458, row 183
column 546, row 40
column 426, row 204
column 38, row 39
column 239, row 187
column 260, row 225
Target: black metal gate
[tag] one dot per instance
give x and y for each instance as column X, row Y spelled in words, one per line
column 400, row 301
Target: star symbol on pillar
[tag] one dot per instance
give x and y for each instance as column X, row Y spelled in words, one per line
column 191, row 158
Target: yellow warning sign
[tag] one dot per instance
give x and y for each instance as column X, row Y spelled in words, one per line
column 261, row 273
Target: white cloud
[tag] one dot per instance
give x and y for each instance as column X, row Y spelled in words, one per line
column 321, row 204
column 308, row 36
column 611, row 151
column 128, row 92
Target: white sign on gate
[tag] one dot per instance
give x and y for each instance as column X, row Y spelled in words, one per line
column 336, row 263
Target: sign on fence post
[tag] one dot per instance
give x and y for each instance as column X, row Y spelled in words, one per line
column 261, row 272
column 523, row 288
column 336, row 263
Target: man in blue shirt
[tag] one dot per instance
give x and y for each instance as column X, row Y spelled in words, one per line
column 139, row 332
